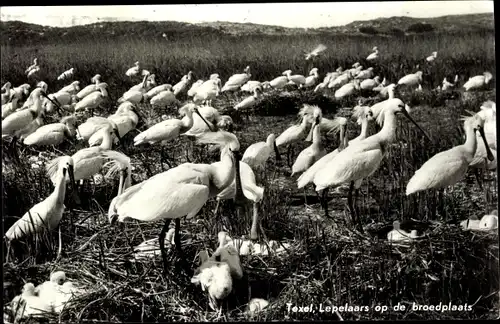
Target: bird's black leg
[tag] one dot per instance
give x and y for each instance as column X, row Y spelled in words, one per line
column 161, row 239
column 324, row 198
column 358, row 219
column 478, row 178
column 350, row 202
column 289, row 148
column 177, row 236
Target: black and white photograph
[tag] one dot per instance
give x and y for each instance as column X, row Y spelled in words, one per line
column 249, row 162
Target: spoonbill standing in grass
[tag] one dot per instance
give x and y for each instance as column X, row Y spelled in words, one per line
column 148, row 85
column 18, row 92
column 298, row 79
column 32, row 69
column 93, row 100
column 156, row 90
column 257, row 154
column 53, row 134
column 9, row 107
column 119, row 163
column 370, row 84
column 411, row 80
column 207, row 91
column 387, row 91
column 87, row 161
column 136, row 95
column 72, row 88
column 181, row 191
column 250, row 101
column 92, row 125
column 183, row 85
column 251, row 191
column 478, row 82
column 66, row 74
column 62, row 98
column 449, row 167
column 276, row 83
column 340, row 80
column 312, row 79
column 133, row 71
column 432, row 57
column 192, row 91
column 365, row 74
column 373, row 56
column 163, row 98
column 315, row 52
column 237, row 80
column 293, row 134
column 47, row 214
column 96, row 80
column 447, row 85
column 359, row 161
column 348, row 89
column 169, row 129
column 125, row 118
column 250, row 86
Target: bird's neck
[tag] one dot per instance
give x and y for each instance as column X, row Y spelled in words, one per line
column 387, row 134
column 60, row 189
column 316, row 138
column 470, row 144
column 188, row 121
column 364, row 130
column 224, row 172
column 107, row 142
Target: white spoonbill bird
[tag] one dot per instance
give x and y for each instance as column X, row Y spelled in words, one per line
column 365, row 74
column 183, row 85
column 87, row 161
column 412, row 80
column 478, row 82
column 136, row 95
column 53, row 134
column 207, row 91
column 47, row 289
column 359, row 161
column 432, row 57
column 310, row 154
column 340, row 80
column 124, row 119
column 96, row 80
column 387, row 91
column 315, row 52
column 29, row 305
column 92, row 125
column 32, row 67
column 156, row 90
column 150, row 82
column 133, row 71
column 308, row 176
column 250, row 101
column 163, row 98
column 119, row 163
column 181, row 191
column 370, row 84
column 373, row 56
column 449, row 167
column 47, row 214
column 9, row 107
column 66, row 74
column 276, row 83
column 257, row 154
column 21, row 118
column 237, row 80
column 93, row 100
column 312, row 79
column 30, row 101
column 171, row 128
column 211, row 116
column 61, row 97
column 30, row 128
column 297, row 79
column 489, row 113
column 18, row 92
column 72, row 88
column 251, row 191
column 192, row 91
column 250, row 86
column 348, row 89
column 293, row 134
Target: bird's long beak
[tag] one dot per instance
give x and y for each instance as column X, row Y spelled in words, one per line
column 239, row 190
column 488, row 150
column 276, row 151
column 405, row 112
column 206, row 122
column 117, row 134
column 309, row 136
column 71, row 172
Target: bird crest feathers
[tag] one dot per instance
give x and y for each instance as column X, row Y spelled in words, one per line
column 53, row 166
column 310, row 110
column 360, row 112
column 119, row 162
column 336, row 124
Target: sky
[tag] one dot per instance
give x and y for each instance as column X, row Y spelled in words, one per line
column 304, row 15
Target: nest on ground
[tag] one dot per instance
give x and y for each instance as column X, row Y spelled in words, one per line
column 326, row 264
